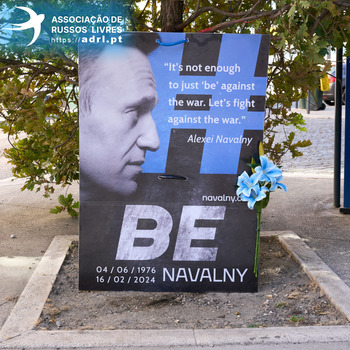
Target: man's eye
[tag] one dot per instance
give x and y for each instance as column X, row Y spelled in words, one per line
column 132, row 115
column 132, row 112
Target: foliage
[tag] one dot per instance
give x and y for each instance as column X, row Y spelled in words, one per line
column 281, row 305
column 296, row 319
column 39, row 88
column 67, row 203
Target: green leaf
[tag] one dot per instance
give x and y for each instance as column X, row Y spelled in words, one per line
column 261, row 149
column 72, row 212
column 291, row 11
column 265, row 201
column 56, row 210
column 63, row 200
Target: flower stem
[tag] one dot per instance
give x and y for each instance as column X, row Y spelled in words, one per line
column 257, row 244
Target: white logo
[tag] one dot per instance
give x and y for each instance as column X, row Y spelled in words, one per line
column 34, row 22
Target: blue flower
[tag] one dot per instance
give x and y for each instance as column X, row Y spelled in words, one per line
column 247, row 184
column 268, row 171
column 266, row 178
column 249, row 189
column 278, row 184
column 256, row 195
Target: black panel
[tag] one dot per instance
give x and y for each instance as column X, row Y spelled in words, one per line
column 263, row 57
column 201, row 50
column 191, row 102
column 257, row 104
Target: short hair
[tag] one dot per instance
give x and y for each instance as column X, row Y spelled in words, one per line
column 89, row 54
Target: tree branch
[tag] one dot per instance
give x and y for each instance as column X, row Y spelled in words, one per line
column 342, row 3
column 144, row 9
column 252, row 9
column 268, row 14
column 202, row 10
column 243, row 16
column 324, row 14
column 198, row 4
column 67, row 60
column 69, row 138
column 49, row 91
column 42, row 68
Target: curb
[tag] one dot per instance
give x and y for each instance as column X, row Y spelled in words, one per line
column 337, row 291
column 18, row 330
column 27, row 310
column 124, row 339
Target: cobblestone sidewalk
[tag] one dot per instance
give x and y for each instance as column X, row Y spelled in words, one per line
column 319, row 156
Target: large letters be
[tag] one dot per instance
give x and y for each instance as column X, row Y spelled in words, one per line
column 159, row 236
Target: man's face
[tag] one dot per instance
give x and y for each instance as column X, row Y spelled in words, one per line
column 120, row 128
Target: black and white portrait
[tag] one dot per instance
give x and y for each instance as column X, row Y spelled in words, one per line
column 117, row 96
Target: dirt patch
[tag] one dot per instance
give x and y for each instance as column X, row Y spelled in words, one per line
column 286, row 297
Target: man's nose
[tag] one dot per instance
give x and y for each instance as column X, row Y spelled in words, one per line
column 148, row 138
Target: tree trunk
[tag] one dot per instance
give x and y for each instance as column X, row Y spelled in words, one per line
column 154, row 13
column 171, row 14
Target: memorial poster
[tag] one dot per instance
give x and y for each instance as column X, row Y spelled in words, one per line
column 167, row 123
